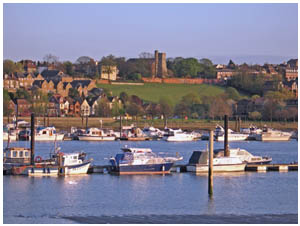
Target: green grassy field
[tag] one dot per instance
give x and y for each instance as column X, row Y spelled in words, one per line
column 154, row 91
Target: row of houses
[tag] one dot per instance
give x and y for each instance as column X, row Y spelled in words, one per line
column 59, row 106
column 289, row 70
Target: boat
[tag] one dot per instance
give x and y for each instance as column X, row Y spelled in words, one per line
column 141, row 161
column 48, row 134
column 244, row 156
column 133, row 133
column 95, row 134
column 269, row 134
column 199, row 163
column 178, row 135
column 153, row 133
column 232, row 136
column 65, row 164
column 15, row 157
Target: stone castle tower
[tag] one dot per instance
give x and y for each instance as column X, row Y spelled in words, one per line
column 160, row 65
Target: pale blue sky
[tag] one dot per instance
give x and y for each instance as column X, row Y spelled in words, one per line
column 264, row 32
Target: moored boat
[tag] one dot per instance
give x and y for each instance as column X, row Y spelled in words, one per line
column 199, row 163
column 232, row 136
column 141, row 161
column 95, row 134
column 273, row 135
column 48, row 134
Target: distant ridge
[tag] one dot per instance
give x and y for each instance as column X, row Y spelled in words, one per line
column 249, row 59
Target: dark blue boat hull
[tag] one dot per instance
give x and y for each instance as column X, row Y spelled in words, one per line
column 143, row 169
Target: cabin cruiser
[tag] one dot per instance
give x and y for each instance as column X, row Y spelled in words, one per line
column 47, row 134
column 272, row 135
column 200, row 159
column 252, row 131
column 178, row 135
column 232, row 136
column 95, row 134
column 141, row 161
column 244, row 156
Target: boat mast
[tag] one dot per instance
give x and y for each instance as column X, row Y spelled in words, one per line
column 32, row 139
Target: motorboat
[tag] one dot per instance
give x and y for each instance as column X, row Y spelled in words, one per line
column 133, row 133
column 65, row 164
column 152, row 132
column 15, row 157
column 200, row 159
column 232, row 136
column 252, row 131
column 141, row 161
column 179, row 135
column 244, row 156
column 95, row 134
column 48, row 134
column 269, row 134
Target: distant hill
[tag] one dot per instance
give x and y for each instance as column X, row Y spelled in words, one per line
column 174, row 92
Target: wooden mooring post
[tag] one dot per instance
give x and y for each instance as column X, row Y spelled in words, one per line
column 211, row 158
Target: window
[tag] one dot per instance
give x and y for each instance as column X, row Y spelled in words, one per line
column 44, row 132
column 14, row 154
column 26, row 153
column 21, row 154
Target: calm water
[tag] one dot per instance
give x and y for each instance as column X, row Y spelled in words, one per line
column 270, row 197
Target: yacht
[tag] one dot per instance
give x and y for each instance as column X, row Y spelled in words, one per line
column 178, row 135
column 47, row 134
column 95, row 134
column 252, row 131
column 153, row 133
column 273, row 135
column 141, row 161
column 200, row 159
column 232, row 136
column 244, row 156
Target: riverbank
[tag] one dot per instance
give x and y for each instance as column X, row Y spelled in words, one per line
column 65, row 123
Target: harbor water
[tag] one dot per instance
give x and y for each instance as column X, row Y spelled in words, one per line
column 247, row 197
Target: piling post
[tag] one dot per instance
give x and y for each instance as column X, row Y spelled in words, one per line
column 86, row 123
column 120, row 126
column 211, row 158
column 226, row 152
column 32, row 140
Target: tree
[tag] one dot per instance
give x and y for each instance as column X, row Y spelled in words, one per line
column 189, row 67
column 103, row 109
column 232, row 93
column 146, row 55
column 6, row 98
column 152, row 110
column 51, row 59
column 10, row 67
column 255, row 115
column 108, row 65
column 68, row 68
column 124, row 97
column 182, row 109
column 165, row 108
column 73, row 93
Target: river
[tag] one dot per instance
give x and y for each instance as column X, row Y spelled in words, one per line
column 248, row 197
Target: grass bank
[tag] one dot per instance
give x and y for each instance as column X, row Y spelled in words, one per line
column 174, row 92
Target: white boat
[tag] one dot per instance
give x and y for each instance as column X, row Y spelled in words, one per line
column 199, row 163
column 95, row 134
column 153, row 132
column 179, row 136
column 273, row 135
column 141, row 161
column 47, row 134
column 243, row 155
column 232, row 136
column 252, row 131
column 66, row 164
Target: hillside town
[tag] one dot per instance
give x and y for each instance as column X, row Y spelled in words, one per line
column 59, row 89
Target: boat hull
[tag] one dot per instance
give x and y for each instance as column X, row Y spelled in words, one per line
column 232, row 138
column 143, row 169
column 172, row 139
column 58, row 137
column 201, row 168
column 96, row 138
column 272, row 138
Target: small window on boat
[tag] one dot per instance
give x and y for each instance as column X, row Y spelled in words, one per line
column 44, row 132
column 75, row 157
column 15, row 154
column 26, row 153
column 21, row 154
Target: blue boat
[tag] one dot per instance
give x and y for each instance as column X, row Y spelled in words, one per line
column 141, row 161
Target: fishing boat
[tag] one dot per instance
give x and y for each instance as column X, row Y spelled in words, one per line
column 48, row 134
column 269, row 134
column 64, row 164
column 244, row 156
column 199, row 163
column 232, row 136
column 15, row 157
column 141, row 161
column 95, row 134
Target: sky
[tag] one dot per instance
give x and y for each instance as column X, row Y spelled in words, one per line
column 251, row 33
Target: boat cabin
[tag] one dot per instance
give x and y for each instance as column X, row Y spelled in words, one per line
column 95, row 132
column 46, row 131
column 70, row 159
column 17, row 155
